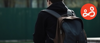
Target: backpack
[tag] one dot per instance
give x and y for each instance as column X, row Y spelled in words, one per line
column 69, row 28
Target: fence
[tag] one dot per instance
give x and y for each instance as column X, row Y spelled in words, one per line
column 18, row 23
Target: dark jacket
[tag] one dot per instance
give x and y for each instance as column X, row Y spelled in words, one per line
column 46, row 24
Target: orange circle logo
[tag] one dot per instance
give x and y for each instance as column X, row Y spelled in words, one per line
column 88, row 11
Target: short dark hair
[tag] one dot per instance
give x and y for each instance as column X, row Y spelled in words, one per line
column 53, row 1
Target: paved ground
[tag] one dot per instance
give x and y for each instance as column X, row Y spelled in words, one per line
column 90, row 40
column 33, row 42
column 16, row 42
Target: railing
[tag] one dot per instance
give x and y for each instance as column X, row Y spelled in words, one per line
column 93, row 40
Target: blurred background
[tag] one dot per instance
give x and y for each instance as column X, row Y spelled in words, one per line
column 18, row 17
column 42, row 3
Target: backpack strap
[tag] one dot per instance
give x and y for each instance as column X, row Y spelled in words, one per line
column 52, row 13
column 55, row 14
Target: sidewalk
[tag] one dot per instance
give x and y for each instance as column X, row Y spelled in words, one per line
column 89, row 40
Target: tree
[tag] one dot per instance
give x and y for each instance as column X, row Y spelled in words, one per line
column 43, row 3
column 38, row 3
column 6, row 3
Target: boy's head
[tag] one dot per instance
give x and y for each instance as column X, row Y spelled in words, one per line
column 49, row 2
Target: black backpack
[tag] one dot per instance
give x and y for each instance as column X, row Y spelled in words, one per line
column 69, row 28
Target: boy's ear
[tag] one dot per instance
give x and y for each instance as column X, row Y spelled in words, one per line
column 49, row 2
